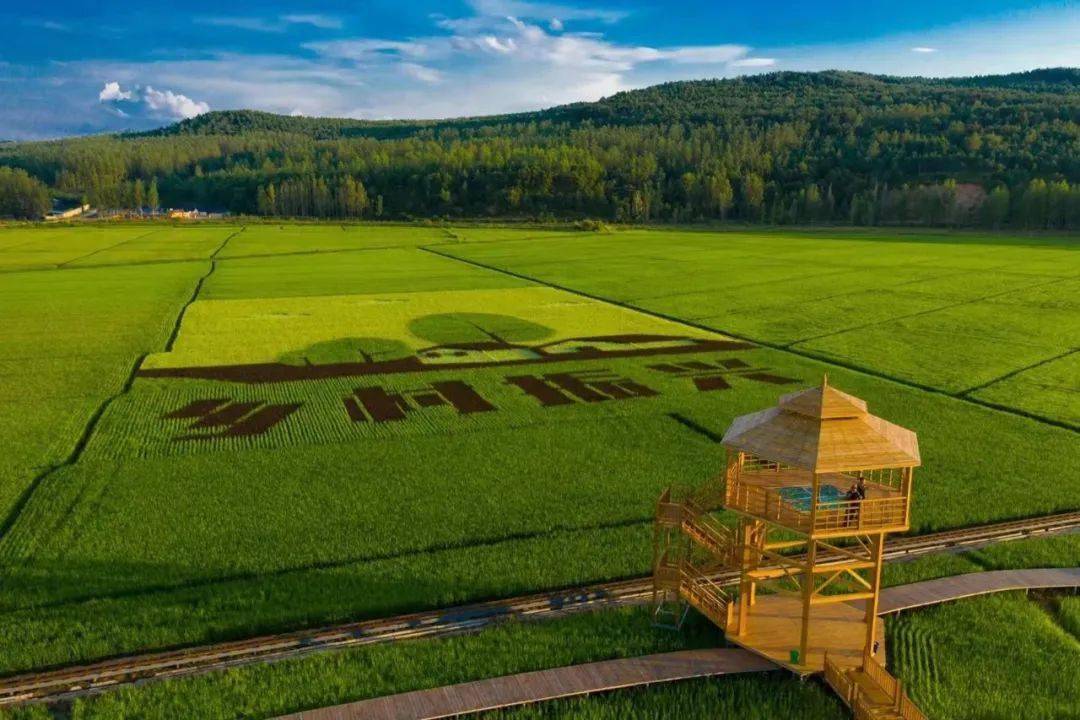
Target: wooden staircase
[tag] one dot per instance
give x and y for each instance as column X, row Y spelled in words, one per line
column 697, row 547
column 871, row 692
column 710, row 534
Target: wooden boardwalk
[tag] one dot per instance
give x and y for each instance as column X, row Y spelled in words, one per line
column 543, row 685
column 932, row 592
column 563, row 682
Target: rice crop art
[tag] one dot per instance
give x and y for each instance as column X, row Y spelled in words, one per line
column 288, row 424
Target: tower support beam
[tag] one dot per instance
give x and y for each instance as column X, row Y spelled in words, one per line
column 877, row 551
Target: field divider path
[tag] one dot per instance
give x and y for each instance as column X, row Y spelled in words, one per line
column 173, row 261
column 81, row 680
column 799, row 352
column 95, row 417
column 1014, row 373
column 73, row 456
column 110, row 247
column 817, row 298
column 931, row 311
column 198, row 289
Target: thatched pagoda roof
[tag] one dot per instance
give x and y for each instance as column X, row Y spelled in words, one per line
column 823, row 430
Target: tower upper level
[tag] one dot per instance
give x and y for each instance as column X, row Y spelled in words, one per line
column 821, row 464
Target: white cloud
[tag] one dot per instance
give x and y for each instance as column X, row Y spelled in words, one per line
column 166, row 104
column 243, row 23
column 272, row 25
column 325, row 22
column 704, row 54
column 555, row 25
column 112, row 91
column 464, row 48
column 363, row 77
column 753, row 62
column 47, row 25
column 923, row 49
column 544, row 11
column 500, row 46
column 368, row 49
column 173, row 104
column 421, row 73
column 487, row 64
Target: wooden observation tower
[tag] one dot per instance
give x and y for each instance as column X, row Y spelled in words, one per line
column 817, row 482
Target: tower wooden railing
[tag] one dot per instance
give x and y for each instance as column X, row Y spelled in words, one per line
column 862, row 703
column 668, row 511
column 862, row 708
column 765, row 503
column 839, row 680
column 861, row 515
column 908, row 710
column 855, row 516
column 701, row 592
column 711, row 534
column 881, row 677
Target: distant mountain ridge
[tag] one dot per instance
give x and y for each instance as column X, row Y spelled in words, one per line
column 688, row 100
column 784, row 147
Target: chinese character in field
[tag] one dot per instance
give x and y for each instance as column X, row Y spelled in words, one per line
column 715, row 376
column 374, row 404
column 225, row 418
column 583, row 386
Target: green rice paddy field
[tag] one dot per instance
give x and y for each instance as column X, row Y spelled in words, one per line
column 917, row 652
column 212, row 431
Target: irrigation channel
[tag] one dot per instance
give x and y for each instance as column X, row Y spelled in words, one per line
column 69, row 682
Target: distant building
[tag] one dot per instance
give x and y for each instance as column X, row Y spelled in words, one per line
column 58, row 214
column 182, row 213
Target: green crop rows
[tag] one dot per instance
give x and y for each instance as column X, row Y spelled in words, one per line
column 326, row 679
column 951, row 312
column 129, row 525
column 998, row 656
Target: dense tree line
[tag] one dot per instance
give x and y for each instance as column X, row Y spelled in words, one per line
column 22, row 196
column 779, row 148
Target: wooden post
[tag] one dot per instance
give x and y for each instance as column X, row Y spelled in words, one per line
column 877, row 553
column 807, row 594
column 731, row 477
column 760, row 534
column 744, row 579
column 906, row 485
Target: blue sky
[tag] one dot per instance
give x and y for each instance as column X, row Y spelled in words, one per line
column 75, row 68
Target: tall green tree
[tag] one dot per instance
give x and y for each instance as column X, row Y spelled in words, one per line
column 21, row 196
column 753, row 195
column 138, row 194
column 152, row 198
column 720, row 195
column 995, row 211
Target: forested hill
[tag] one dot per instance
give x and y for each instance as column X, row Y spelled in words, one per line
column 781, row 147
column 762, row 96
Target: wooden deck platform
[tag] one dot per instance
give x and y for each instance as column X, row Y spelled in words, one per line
column 955, row 587
column 501, row 692
column 776, row 626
